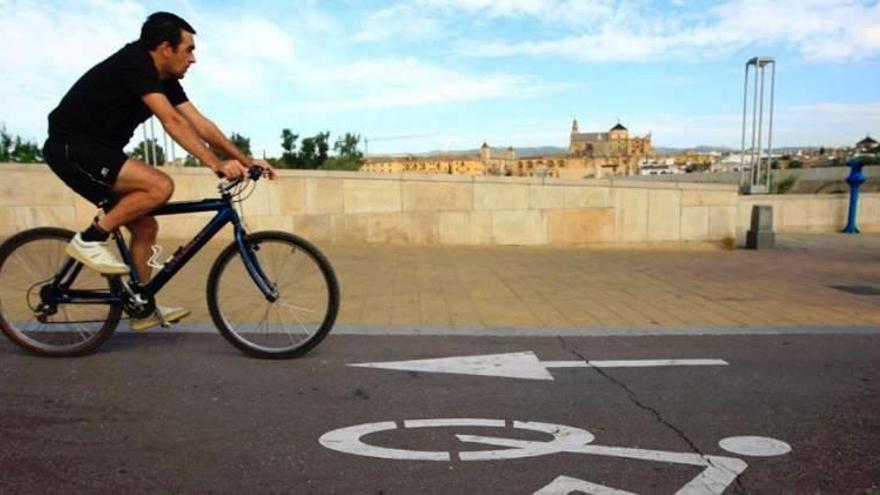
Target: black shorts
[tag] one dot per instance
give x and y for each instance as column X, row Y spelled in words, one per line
column 88, row 168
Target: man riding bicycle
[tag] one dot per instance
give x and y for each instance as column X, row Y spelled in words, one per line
column 96, row 119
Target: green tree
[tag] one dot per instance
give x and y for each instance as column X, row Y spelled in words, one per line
column 307, row 153
column 348, row 156
column 26, row 152
column 322, row 140
column 784, row 185
column 191, row 161
column 144, row 149
column 6, row 142
column 290, row 155
column 312, row 152
column 240, row 142
column 15, row 149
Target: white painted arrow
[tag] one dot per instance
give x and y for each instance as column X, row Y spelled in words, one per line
column 523, row 365
column 565, row 485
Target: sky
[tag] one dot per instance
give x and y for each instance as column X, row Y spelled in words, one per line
column 424, row 75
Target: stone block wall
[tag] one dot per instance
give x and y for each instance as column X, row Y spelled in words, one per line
column 422, row 209
column 811, row 212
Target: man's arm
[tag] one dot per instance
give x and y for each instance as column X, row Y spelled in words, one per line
column 187, row 136
column 212, row 134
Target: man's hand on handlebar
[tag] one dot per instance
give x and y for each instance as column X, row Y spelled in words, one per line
column 267, row 167
column 232, row 170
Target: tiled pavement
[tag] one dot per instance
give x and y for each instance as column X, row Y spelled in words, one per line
column 390, row 287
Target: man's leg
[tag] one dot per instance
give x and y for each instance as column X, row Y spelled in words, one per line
column 144, row 231
column 140, row 189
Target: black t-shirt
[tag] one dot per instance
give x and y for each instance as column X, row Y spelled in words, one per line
column 105, row 105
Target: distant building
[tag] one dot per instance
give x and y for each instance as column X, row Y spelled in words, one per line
column 659, row 166
column 729, row 163
column 440, row 164
column 867, row 145
column 590, row 155
column 614, row 143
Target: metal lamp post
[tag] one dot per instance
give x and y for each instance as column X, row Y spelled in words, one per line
column 756, row 164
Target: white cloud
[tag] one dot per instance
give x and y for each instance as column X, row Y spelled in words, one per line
column 830, row 124
column 47, row 47
column 400, row 22
column 565, row 11
column 241, row 57
column 267, row 65
column 821, row 30
column 389, row 83
column 841, row 108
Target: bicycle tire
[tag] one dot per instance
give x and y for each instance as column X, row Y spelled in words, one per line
column 243, row 333
column 12, row 322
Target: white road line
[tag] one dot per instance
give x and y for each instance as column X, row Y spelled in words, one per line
column 634, row 363
column 522, row 365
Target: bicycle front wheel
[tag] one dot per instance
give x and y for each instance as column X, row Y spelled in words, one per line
column 46, row 316
column 291, row 325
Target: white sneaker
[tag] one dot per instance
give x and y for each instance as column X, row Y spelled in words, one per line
column 169, row 315
column 95, row 255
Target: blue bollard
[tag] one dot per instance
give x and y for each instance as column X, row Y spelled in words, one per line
column 856, row 178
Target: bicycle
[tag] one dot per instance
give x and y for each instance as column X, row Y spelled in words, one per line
column 277, row 299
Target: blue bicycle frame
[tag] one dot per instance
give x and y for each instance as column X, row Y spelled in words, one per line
column 225, row 213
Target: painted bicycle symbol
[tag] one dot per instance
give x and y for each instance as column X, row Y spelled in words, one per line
column 718, row 472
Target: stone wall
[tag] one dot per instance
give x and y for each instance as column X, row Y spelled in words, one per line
column 824, row 180
column 389, row 208
column 424, row 209
column 804, row 174
column 812, row 212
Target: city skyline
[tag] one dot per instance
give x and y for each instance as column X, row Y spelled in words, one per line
column 448, row 74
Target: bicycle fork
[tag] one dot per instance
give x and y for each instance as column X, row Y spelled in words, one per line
column 252, row 264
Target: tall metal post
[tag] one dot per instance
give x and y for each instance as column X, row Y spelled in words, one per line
column 153, row 157
column 770, row 131
column 164, row 142
column 742, row 155
column 754, row 131
column 146, row 143
column 760, row 152
column 756, row 164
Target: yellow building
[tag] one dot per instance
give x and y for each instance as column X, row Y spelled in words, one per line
column 595, row 154
column 482, row 164
column 442, row 164
column 614, row 143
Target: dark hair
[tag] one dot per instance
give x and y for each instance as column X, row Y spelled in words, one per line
column 161, row 27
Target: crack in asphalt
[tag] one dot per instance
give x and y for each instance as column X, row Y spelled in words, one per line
column 633, row 397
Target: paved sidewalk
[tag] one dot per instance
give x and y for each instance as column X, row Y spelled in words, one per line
column 386, row 288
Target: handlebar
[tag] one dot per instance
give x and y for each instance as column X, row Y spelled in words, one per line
column 254, row 173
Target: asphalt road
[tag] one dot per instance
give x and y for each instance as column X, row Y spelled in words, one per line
column 174, row 413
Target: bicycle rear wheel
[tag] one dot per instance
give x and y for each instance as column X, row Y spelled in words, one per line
column 307, row 304
column 29, row 264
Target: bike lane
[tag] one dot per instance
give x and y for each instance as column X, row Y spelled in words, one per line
column 181, row 412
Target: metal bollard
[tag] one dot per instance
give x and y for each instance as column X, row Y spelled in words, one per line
column 760, row 234
column 856, row 178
